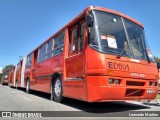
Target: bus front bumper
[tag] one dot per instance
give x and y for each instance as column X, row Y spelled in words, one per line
column 99, row 90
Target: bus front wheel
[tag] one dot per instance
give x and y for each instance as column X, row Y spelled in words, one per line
column 57, row 90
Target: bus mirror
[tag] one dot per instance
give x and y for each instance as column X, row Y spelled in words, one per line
column 89, row 20
column 158, row 65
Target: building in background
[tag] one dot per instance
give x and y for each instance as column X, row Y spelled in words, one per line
column 1, row 70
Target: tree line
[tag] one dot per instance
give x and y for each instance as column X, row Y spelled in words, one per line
column 156, row 59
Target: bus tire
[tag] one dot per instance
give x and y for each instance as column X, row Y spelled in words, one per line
column 57, row 90
column 28, row 86
column 10, row 85
column 16, row 84
column 51, row 90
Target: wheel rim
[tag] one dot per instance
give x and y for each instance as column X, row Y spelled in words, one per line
column 51, row 89
column 16, row 84
column 27, row 86
column 57, row 88
column 51, row 92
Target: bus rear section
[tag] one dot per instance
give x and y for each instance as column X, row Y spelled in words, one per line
column 5, row 77
column 119, row 63
column 19, row 74
column 158, row 65
column 11, row 76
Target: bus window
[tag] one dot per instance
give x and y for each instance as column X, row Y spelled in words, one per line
column 58, row 44
column 29, row 60
column 72, row 42
column 81, row 42
column 49, row 48
column 42, row 52
column 61, row 38
column 35, row 57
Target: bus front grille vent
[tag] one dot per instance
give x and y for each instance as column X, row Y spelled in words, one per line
column 134, row 92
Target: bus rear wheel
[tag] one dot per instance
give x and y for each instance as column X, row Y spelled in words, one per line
column 10, row 84
column 16, row 84
column 57, row 90
column 28, row 86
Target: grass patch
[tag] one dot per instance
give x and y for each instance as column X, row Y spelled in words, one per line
column 158, row 96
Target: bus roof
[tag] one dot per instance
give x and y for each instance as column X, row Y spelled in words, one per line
column 84, row 12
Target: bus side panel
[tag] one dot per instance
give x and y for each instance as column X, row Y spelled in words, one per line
column 44, row 72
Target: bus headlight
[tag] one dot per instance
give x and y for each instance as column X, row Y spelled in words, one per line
column 111, row 81
column 117, row 81
column 152, row 83
column 114, row 81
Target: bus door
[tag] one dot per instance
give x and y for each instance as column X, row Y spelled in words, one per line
column 34, row 67
column 75, row 62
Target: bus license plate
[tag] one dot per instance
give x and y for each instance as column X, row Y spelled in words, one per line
column 150, row 91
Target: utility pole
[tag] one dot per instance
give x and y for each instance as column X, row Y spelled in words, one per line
column 20, row 58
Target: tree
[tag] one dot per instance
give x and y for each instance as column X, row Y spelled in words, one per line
column 7, row 67
column 156, row 59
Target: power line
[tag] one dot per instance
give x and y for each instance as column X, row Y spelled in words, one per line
column 8, row 54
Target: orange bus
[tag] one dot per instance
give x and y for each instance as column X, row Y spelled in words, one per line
column 11, row 76
column 101, row 55
column 18, row 74
column 5, row 77
column 158, row 66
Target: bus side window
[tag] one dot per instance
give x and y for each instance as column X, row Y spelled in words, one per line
column 35, row 57
column 58, row 44
column 42, row 52
column 29, row 60
column 55, row 48
column 49, row 48
column 73, row 40
column 81, row 42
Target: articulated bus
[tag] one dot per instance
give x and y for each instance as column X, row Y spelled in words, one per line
column 11, row 76
column 101, row 55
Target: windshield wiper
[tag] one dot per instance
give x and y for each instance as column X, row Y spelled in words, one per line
column 121, row 53
column 95, row 46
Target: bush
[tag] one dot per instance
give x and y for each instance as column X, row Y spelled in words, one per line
column 0, row 78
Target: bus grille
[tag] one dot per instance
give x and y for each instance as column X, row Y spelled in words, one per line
column 134, row 92
column 135, row 83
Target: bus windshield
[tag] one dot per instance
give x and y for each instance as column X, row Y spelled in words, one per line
column 113, row 34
